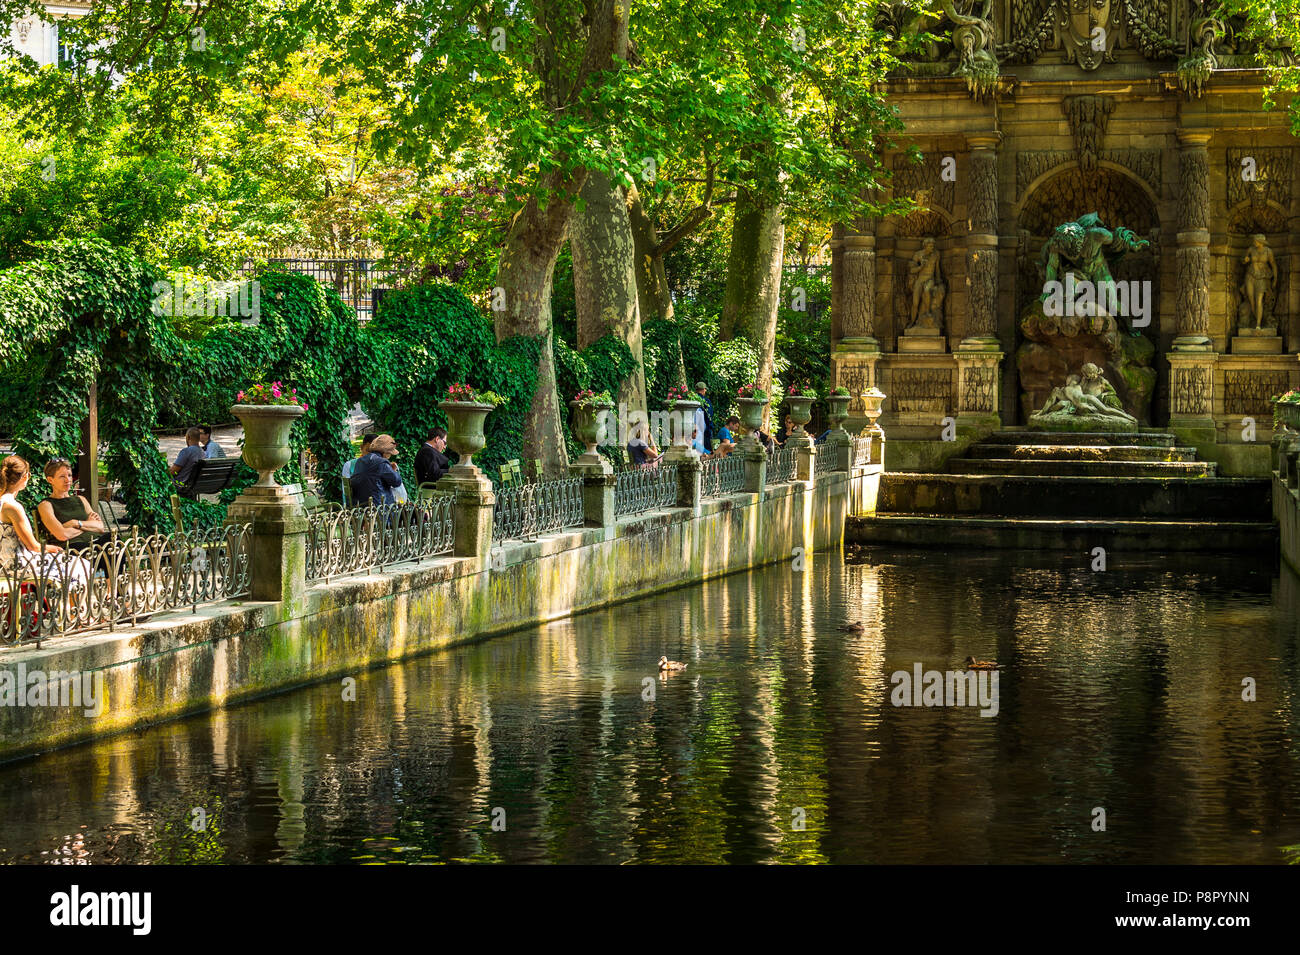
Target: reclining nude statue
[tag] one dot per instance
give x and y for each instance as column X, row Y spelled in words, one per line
column 1083, row 396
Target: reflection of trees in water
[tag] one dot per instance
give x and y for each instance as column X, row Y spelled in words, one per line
column 1116, row 690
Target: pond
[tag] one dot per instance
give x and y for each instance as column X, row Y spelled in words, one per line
column 1119, row 691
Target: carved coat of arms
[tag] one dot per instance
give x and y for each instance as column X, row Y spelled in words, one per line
column 1087, row 29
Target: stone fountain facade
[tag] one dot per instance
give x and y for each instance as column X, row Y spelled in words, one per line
column 1024, row 124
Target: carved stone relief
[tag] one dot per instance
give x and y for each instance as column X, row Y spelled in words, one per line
column 981, row 304
column 924, row 182
column 1088, row 116
column 1071, row 193
column 1261, row 174
column 1194, row 189
column 1143, row 163
column 859, row 276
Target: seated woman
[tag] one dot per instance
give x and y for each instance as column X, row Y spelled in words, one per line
column 67, row 517
column 20, row 551
column 640, row 449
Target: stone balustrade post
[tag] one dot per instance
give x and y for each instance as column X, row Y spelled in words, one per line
column 805, row 468
column 597, row 476
column 839, row 444
column 689, row 485
column 277, row 559
column 755, row 464
column 471, row 511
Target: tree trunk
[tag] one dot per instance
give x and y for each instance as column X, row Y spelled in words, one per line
column 524, row 275
column 749, row 308
column 651, row 278
column 604, row 277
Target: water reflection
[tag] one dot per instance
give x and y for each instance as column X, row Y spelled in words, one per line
column 1119, row 690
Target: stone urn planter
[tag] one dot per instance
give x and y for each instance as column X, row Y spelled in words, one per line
column 872, row 399
column 686, row 418
column 465, row 420
column 800, row 410
column 266, row 437
column 751, row 413
column 837, row 410
column 1288, row 414
column 586, row 421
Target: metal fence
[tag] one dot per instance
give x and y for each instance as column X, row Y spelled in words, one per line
column 358, row 539
column 824, row 460
column 861, row 450
column 719, row 476
column 526, row 511
column 645, row 488
column 118, row 582
column 360, row 282
column 781, row 465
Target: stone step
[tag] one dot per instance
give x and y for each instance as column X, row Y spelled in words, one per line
column 1077, row 452
column 1098, row 468
column 1080, row 536
column 1083, row 438
column 1075, row 498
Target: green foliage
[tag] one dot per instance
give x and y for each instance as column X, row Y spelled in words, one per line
column 84, row 314
column 427, row 338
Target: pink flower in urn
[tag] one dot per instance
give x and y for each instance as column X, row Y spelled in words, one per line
column 239, row 397
column 275, row 389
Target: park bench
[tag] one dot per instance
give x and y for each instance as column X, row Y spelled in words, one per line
column 210, row 477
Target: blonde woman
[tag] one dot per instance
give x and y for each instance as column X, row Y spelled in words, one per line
column 20, row 551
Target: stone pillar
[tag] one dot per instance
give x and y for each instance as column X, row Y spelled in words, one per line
column 1193, row 254
column 277, row 559
column 597, row 491
column 982, row 245
column 979, row 398
column 805, row 462
column 689, row 491
column 839, row 444
column 472, row 511
column 855, row 353
column 755, row 465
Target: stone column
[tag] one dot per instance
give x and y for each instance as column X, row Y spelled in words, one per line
column 597, row 491
column 855, row 353
column 1193, row 254
column 805, row 462
column 982, row 245
column 277, row 559
column 755, row 464
column 1192, row 358
column 689, row 490
column 472, row 511
column 979, row 398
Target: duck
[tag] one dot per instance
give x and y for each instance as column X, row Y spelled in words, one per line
column 666, row 664
column 854, row 627
column 973, row 664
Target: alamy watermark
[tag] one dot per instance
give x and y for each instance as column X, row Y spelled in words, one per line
column 75, row 688
column 1131, row 300
column 946, row 688
column 194, row 297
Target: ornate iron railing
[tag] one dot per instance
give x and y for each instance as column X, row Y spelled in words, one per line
column 824, row 460
column 781, row 465
column 526, row 511
column 861, row 450
column 645, row 488
column 719, row 476
column 119, row 581
column 359, row 539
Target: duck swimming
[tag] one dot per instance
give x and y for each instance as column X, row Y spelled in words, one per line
column 854, row 627
column 666, row 664
column 973, row 664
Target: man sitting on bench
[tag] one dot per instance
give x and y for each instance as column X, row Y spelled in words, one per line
column 189, row 458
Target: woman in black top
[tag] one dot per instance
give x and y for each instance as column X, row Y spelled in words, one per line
column 67, row 517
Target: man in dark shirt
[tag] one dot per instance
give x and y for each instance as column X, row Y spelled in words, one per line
column 432, row 462
column 375, row 476
column 189, row 457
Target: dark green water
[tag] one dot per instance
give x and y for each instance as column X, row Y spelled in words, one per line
column 1119, row 690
